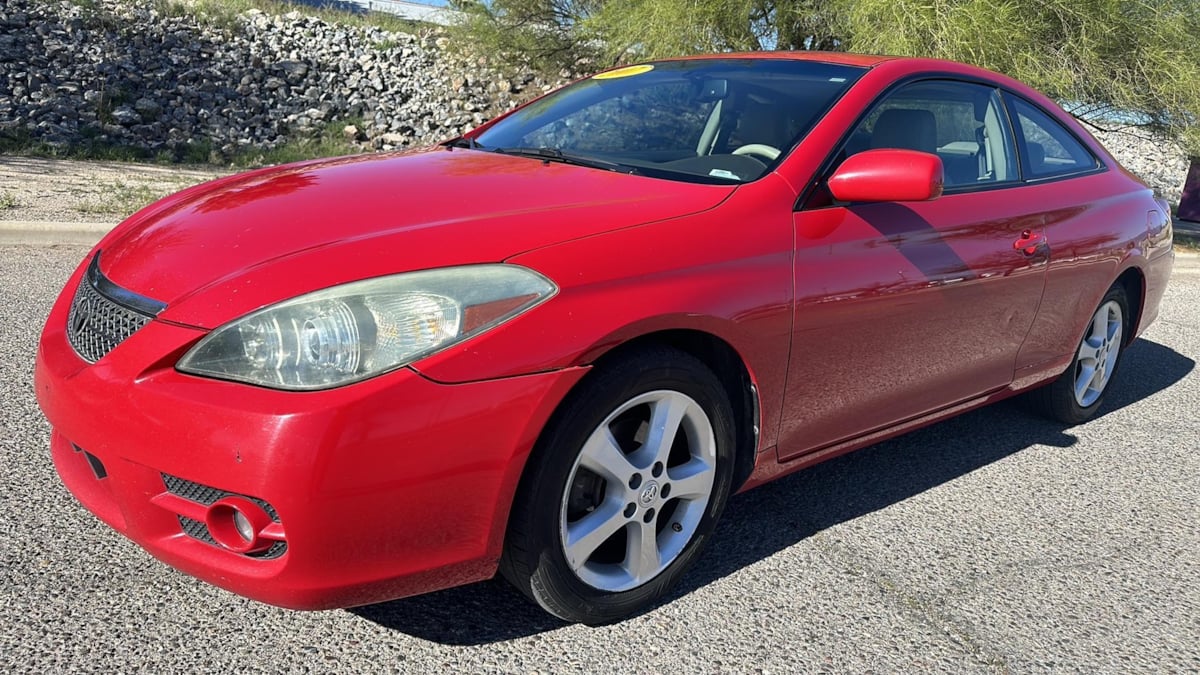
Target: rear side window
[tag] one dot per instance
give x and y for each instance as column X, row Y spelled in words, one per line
column 1048, row 148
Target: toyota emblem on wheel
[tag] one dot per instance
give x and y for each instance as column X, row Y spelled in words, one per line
column 649, row 493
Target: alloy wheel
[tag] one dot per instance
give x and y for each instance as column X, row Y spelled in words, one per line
column 638, row 491
column 1097, row 355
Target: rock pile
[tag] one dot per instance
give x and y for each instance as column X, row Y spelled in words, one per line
column 125, row 73
column 1160, row 162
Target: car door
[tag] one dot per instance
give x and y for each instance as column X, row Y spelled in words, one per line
column 903, row 309
column 1087, row 235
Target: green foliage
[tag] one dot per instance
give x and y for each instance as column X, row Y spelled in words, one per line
column 547, row 35
column 1116, row 62
column 641, row 29
column 329, row 142
column 550, row 35
column 19, row 142
column 635, row 29
column 87, row 5
column 1106, row 58
column 118, row 198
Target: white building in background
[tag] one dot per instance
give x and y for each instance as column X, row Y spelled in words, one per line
column 415, row 11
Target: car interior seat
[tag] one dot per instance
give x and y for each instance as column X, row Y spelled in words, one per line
column 906, row 129
column 760, row 123
column 1037, row 157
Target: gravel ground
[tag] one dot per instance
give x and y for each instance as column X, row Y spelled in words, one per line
column 994, row 542
column 35, row 189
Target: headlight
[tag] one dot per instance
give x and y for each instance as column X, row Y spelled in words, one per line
column 358, row 330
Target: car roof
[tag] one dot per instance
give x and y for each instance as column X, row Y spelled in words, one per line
column 838, row 58
column 898, row 66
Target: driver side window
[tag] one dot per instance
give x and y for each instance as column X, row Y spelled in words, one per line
column 961, row 123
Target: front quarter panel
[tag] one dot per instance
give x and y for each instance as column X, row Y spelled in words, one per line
column 726, row 272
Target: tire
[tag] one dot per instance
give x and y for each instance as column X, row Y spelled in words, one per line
column 610, row 514
column 1079, row 392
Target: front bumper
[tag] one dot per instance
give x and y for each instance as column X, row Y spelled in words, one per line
column 390, row 487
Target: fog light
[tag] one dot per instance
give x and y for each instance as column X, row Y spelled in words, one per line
column 236, row 523
column 242, row 523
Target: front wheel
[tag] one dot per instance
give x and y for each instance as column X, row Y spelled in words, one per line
column 1078, row 393
column 624, row 488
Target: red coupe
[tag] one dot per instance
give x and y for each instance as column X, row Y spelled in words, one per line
column 555, row 346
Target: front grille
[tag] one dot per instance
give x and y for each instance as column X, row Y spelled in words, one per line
column 97, row 322
column 206, row 495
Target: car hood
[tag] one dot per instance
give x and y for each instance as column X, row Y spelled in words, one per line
column 219, row 250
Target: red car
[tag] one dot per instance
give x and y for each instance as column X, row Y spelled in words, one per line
column 554, row 347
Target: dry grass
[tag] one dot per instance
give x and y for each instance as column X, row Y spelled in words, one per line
column 119, row 198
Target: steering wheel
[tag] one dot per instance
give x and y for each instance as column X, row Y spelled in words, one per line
column 771, row 153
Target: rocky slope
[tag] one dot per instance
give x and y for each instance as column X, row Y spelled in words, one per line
column 1160, row 162
column 124, row 73
column 121, row 72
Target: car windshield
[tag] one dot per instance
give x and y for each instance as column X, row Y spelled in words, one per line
column 707, row 120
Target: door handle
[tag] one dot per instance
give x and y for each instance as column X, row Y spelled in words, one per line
column 1030, row 242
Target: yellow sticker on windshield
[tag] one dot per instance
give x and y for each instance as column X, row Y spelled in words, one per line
column 628, row 71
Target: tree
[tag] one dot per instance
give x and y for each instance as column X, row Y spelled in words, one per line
column 1112, row 63
column 658, row 28
column 546, row 35
column 557, row 34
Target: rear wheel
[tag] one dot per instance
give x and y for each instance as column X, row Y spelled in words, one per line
column 1078, row 393
column 624, row 488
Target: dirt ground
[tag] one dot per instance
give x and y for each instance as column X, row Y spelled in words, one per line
column 36, row 189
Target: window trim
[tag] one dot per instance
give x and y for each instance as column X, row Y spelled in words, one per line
column 823, row 173
column 1022, row 148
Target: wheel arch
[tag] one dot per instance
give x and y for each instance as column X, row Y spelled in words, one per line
column 1133, row 280
column 735, row 375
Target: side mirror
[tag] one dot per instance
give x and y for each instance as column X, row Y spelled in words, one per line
column 888, row 175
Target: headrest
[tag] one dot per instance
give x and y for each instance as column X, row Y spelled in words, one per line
column 906, row 129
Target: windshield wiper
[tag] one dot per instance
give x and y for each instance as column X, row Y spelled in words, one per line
column 463, row 142
column 556, row 155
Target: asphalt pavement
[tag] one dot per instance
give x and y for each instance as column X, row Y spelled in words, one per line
column 994, row 542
